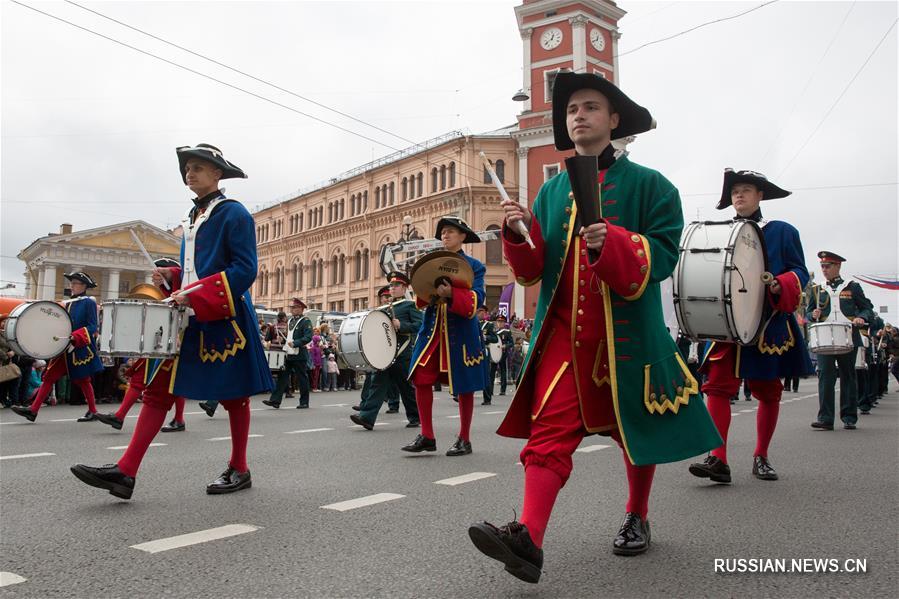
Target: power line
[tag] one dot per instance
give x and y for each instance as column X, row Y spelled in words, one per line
column 701, row 25
column 840, row 97
column 819, row 187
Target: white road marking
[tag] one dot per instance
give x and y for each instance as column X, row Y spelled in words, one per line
column 352, row 504
column 308, row 430
column 465, row 478
column 376, row 424
column 335, row 405
column 591, row 448
column 454, row 416
column 495, row 412
column 734, row 413
column 8, row 578
column 65, row 420
column 126, row 447
column 15, row 422
column 228, row 438
column 194, row 538
column 26, row 455
column 746, row 411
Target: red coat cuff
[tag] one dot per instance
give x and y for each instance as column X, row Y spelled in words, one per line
column 527, row 264
column 81, row 338
column 624, row 262
column 214, row 300
column 788, row 300
column 464, row 302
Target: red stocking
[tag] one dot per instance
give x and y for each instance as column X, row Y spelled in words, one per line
column 719, row 410
column 541, row 487
column 424, row 397
column 131, row 395
column 466, row 409
column 239, row 418
column 151, row 418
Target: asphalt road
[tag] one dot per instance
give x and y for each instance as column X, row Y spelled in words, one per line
column 836, row 498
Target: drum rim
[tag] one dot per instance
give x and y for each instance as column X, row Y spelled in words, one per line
column 13, row 318
column 358, row 334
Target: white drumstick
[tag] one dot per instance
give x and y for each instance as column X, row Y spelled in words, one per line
column 146, row 255
column 517, row 225
column 183, row 292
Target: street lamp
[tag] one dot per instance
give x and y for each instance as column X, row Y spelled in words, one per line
column 521, row 96
column 407, row 227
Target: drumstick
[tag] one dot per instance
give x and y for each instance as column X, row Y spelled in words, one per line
column 518, row 225
column 146, row 255
column 183, row 292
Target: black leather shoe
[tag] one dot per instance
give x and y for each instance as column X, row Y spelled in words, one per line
column 864, row 412
column 822, row 426
column 460, row 447
column 711, row 468
column 88, row 417
column 24, row 412
column 231, row 480
column 209, row 409
column 303, row 406
column 510, row 544
column 413, row 424
column 421, row 443
column 392, row 411
column 110, row 419
column 107, row 477
column 849, row 427
column 269, row 402
column 173, row 427
column 762, row 470
column 357, row 408
column 633, row 536
column 486, row 403
column 363, row 423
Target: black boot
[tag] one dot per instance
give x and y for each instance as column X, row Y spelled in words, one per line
column 110, row 419
column 209, row 409
column 173, row 427
column 272, row 404
column 421, row 443
column 510, row 544
column 230, row 481
column 762, row 469
column 633, row 536
column 24, row 412
column 361, row 422
column 711, row 468
column 107, row 477
column 460, row 447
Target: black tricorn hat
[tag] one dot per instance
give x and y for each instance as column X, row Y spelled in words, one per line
column 400, row 276
column 210, row 154
column 826, row 256
column 769, row 190
column 455, row 221
column 166, row 263
column 83, row 277
column 632, row 118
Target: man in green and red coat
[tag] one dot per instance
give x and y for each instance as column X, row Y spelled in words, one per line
column 600, row 360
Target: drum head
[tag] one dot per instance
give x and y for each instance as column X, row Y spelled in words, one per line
column 747, row 292
column 378, row 339
column 40, row 329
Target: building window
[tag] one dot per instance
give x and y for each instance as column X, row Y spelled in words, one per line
column 365, row 263
column 392, row 193
column 500, row 168
column 321, row 272
column 434, row 180
column 550, row 171
column 342, row 264
column 365, row 201
column 404, row 190
column 333, row 270
column 549, row 79
column 377, row 197
column 600, row 72
column 421, row 188
column 452, row 174
column 442, row 176
column 494, row 248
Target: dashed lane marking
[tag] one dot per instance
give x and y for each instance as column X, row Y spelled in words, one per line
column 465, row 478
column 228, row 438
column 26, row 455
column 65, row 420
column 8, row 578
column 591, row 448
column 353, row 504
column 194, row 538
column 307, row 430
column 495, row 412
column 454, row 416
column 376, row 424
column 335, row 405
column 126, row 447
column 746, row 411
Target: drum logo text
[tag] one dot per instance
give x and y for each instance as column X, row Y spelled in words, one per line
column 50, row 312
column 386, row 328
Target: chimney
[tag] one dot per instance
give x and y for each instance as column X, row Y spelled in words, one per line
column 65, row 228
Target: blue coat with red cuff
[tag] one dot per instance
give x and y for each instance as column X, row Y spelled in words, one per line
column 221, row 354
column 84, row 360
column 781, row 349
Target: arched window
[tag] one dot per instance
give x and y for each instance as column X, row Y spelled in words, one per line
column 404, row 189
column 377, row 197
column 421, row 188
column 392, row 193
column 334, row 267
column 313, row 274
column 365, row 201
column 357, row 266
column 452, row 174
column 442, row 176
column 434, row 180
column 500, row 168
column 494, row 248
column 341, row 261
column 365, row 263
column 330, row 212
column 321, row 272
column 342, row 208
column 300, row 216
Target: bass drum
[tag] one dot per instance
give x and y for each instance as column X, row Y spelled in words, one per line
column 367, row 341
column 38, row 329
column 719, row 289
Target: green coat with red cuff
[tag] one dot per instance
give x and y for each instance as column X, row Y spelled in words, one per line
column 654, row 396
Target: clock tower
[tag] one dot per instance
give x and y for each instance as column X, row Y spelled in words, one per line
column 575, row 35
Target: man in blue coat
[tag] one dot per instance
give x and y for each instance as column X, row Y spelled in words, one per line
column 221, row 356
column 83, row 360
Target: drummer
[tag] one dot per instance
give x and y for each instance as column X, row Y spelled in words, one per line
column 853, row 307
column 780, row 351
column 448, row 347
column 81, row 362
column 488, row 336
column 406, row 320
column 292, row 335
column 393, row 396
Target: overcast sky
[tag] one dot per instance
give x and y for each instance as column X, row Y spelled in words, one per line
column 89, row 127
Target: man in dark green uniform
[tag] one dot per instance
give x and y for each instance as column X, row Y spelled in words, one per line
column 508, row 344
column 488, row 336
column 851, row 306
column 406, row 322
column 299, row 333
column 393, row 394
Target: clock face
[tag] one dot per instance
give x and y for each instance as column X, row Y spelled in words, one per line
column 598, row 39
column 551, row 38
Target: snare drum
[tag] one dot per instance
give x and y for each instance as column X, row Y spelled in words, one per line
column 367, row 341
column 39, row 329
column 138, row 328
column 718, row 288
column 275, row 359
column 830, row 338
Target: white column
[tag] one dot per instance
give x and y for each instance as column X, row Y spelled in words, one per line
column 47, row 282
column 615, row 36
column 522, row 151
column 579, row 42
column 148, row 278
column 526, row 67
column 112, row 291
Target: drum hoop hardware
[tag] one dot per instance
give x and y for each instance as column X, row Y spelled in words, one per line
column 143, row 322
column 112, row 335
